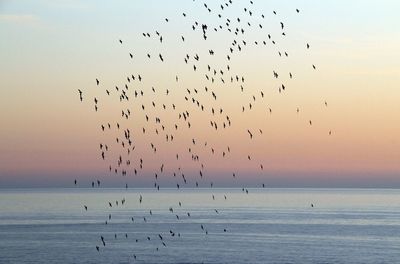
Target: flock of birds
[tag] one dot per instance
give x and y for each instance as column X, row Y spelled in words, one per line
column 169, row 123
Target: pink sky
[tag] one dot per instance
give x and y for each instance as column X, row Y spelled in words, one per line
column 49, row 138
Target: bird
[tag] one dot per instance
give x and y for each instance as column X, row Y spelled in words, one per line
column 80, row 95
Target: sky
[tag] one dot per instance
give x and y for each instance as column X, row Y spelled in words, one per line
column 50, row 49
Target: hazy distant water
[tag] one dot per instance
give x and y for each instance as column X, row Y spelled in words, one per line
column 265, row 226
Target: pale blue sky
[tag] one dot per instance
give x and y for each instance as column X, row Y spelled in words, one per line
column 51, row 48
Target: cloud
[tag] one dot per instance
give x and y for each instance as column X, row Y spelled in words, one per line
column 13, row 18
column 66, row 4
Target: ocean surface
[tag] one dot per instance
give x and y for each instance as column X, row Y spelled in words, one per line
column 264, row 226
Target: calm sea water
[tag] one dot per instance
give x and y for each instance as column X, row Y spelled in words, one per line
column 264, row 226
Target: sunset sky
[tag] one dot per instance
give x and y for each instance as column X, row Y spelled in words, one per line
column 50, row 49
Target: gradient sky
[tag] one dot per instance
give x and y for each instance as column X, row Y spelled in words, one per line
column 51, row 48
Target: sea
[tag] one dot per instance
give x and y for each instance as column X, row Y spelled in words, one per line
column 223, row 226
